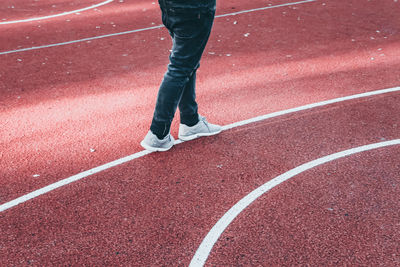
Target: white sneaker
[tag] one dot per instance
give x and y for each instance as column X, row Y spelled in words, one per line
column 202, row 128
column 152, row 143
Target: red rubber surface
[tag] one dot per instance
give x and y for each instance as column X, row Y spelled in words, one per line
column 12, row 10
column 337, row 214
column 56, row 104
column 155, row 210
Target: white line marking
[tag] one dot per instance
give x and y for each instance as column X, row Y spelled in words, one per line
column 314, row 105
column 71, row 179
column 143, row 29
column 117, row 162
column 212, row 237
column 80, row 40
column 57, row 15
column 264, row 8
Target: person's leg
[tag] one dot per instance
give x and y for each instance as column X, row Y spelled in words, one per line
column 190, row 30
column 187, row 105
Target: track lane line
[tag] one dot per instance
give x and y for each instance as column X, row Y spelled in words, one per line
column 264, row 8
column 144, row 29
column 57, row 15
column 213, row 235
column 80, row 40
column 309, row 106
column 71, row 179
column 140, row 154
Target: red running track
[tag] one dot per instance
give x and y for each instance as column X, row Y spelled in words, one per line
column 58, row 103
column 155, row 210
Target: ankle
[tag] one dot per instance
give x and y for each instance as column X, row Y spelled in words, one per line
column 190, row 121
column 159, row 136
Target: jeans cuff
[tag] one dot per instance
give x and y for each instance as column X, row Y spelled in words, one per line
column 190, row 120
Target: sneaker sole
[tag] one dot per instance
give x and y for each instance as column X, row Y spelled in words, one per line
column 155, row 149
column 194, row 136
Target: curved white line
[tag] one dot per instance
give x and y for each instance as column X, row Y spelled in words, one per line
column 117, row 162
column 212, row 237
column 57, row 15
column 144, row 29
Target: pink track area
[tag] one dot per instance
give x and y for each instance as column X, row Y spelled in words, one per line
column 155, row 210
column 72, row 107
column 343, row 213
column 23, row 9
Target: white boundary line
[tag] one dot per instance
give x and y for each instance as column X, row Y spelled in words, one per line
column 264, row 8
column 314, row 105
column 57, row 15
column 212, row 237
column 117, row 162
column 79, row 41
column 143, row 29
column 71, row 179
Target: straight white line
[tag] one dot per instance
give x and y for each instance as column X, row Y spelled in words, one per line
column 57, row 15
column 80, row 40
column 117, row 162
column 212, row 237
column 143, row 29
column 264, row 8
column 71, row 179
column 314, row 105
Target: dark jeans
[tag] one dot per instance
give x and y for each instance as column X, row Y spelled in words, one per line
column 190, row 29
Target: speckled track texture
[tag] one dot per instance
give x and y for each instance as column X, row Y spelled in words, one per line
column 78, row 91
